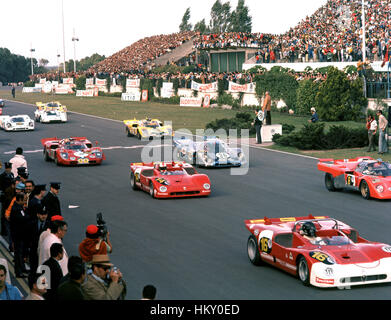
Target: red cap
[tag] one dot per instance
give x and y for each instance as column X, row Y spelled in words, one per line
column 92, row 229
column 57, row 218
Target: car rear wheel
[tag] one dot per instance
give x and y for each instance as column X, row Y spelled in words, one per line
column 56, row 159
column 133, row 181
column 364, row 189
column 45, row 155
column 303, row 271
column 329, row 182
column 151, row 190
column 139, row 135
column 253, row 251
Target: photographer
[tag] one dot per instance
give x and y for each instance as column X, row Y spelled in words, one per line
column 105, row 282
column 94, row 243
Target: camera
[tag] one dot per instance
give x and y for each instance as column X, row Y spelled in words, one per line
column 101, row 224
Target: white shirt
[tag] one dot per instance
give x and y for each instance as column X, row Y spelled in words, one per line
column 44, row 252
column 18, row 161
column 373, row 125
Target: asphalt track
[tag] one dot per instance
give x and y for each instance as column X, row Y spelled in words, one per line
column 195, row 248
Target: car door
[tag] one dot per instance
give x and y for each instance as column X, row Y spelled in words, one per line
column 283, row 253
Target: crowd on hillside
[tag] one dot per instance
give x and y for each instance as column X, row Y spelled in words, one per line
column 332, row 33
column 33, row 227
column 136, row 56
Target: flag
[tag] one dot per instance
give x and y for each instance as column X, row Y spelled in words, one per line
column 385, row 58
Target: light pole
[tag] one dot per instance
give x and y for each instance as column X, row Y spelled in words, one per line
column 58, row 65
column 63, row 32
column 74, row 39
column 32, row 66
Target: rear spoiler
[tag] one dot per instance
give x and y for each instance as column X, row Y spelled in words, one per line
column 269, row 221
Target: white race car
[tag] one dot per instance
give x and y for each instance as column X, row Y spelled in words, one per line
column 50, row 112
column 21, row 122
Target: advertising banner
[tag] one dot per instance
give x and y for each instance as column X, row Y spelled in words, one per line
column 100, row 82
column 144, row 95
column 131, row 96
column 42, row 80
column 63, row 89
column 31, row 89
column 67, row 80
column 205, row 87
column 246, row 88
column 89, row 82
column 132, row 83
column 85, row 93
column 206, row 101
column 167, row 90
column 190, row 102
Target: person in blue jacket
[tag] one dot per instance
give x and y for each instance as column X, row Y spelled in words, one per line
column 7, row 291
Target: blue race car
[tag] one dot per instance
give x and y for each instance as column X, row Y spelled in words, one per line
column 211, row 152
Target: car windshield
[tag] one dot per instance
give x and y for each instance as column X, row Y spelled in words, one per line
column 52, row 105
column 331, row 241
column 51, row 113
column 377, row 169
column 18, row 119
column 151, row 124
column 176, row 172
column 75, row 146
column 215, row 147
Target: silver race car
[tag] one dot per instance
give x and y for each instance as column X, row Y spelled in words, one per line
column 211, row 152
column 20, row 122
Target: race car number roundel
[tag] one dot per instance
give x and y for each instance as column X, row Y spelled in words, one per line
column 265, row 241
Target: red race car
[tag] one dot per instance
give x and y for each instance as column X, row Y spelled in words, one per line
column 371, row 177
column 321, row 251
column 72, row 151
column 169, row 179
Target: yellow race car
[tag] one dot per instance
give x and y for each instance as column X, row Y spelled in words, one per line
column 50, row 112
column 147, row 128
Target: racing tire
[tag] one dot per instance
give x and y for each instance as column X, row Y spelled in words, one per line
column 303, row 271
column 253, row 251
column 364, row 190
column 133, row 181
column 151, row 189
column 138, row 135
column 128, row 132
column 329, row 182
column 56, row 160
column 45, row 155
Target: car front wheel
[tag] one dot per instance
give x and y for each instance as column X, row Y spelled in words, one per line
column 151, row 190
column 303, row 271
column 253, row 251
column 364, row 189
column 133, row 181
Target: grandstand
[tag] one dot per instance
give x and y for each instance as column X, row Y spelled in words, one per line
column 331, row 34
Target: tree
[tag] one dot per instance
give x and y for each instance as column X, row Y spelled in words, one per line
column 201, row 27
column 240, row 20
column 43, row 62
column 13, row 68
column 220, row 16
column 185, row 25
column 340, row 99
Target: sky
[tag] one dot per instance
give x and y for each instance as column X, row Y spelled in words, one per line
column 107, row 26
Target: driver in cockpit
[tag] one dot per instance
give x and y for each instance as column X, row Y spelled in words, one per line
column 308, row 231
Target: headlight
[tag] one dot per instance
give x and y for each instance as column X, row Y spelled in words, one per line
column 380, row 188
column 72, row 158
column 206, row 186
column 64, row 155
column 163, row 189
column 98, row 154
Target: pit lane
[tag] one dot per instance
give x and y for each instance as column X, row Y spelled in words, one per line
column 193, row 248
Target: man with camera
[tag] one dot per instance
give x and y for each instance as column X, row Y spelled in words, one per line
column 105, row 282
column 96, row 242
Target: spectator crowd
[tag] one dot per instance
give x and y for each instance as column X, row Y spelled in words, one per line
column 33, row 227
column 332, row 34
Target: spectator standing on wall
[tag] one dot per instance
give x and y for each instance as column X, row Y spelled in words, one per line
column 266, row 108
column 372, row 129
column 383, row 147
